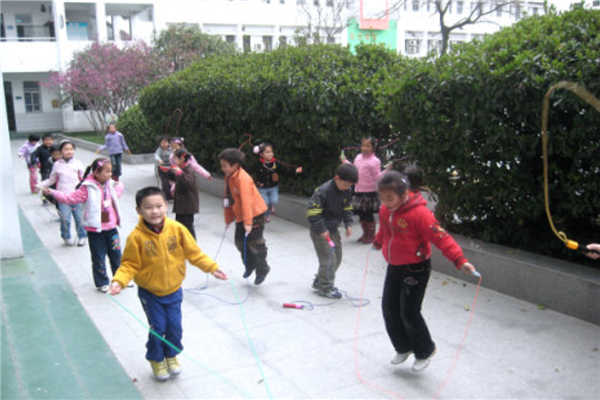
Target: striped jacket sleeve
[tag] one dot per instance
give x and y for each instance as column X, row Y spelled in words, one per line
column 314, row 213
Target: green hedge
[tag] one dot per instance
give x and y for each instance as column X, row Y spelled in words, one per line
column 138, row 134
column 308, row 101
column 481, row 107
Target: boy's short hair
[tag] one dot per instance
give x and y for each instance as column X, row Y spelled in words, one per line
column 53, row 149
column 48, row 135
column 34, row 138
column 347, row 172
column 147, row 192
column 232, row 156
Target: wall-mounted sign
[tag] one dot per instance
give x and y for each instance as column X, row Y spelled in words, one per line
column 19, row 98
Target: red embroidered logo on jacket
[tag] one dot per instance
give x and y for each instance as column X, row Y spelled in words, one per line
column 402, row 223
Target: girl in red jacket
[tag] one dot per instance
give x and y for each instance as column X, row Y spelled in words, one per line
column 406, row 229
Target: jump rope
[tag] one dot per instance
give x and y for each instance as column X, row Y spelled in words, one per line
column 594, row 102
column 301, row 304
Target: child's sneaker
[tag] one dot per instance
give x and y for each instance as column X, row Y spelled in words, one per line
column 315, row 285
column 103, row 289
column 330, row 293
column 160, row 370
column 82, row 242
column 260, row 278
column 421, row 364
column 69, row 242
column 173, row 366
column 399, row 358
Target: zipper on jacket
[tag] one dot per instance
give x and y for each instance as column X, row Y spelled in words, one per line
column 391, row 239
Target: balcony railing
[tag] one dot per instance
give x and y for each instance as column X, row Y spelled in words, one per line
column 30, row 33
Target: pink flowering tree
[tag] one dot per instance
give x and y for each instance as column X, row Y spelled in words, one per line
column 107, row 78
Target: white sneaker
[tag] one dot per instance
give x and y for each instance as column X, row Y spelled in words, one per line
column 69, row 242
column 103, row 289
column 130, row 284
column 421, row 364
column 399, row 358
column 82, row 242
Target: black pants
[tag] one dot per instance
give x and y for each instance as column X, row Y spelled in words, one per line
column 188, row 221
column 403, row 293
column 165, row 184
column 364, row 216
column 256, row 248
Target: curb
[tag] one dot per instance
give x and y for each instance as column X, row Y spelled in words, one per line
column 550, row 283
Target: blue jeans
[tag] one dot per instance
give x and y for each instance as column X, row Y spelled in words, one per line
column 164, row 318
column 102, row 244
column 115, row 160
column 65, row 211
column 270, row 196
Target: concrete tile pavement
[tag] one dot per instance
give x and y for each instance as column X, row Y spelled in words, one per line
column 514, row 349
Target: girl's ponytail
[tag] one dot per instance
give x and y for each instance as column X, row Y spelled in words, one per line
column 97, row 164
column 85, row 175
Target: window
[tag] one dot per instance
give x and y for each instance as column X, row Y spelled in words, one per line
column 246, row 43
column 282, row 41
column 330, row 39
column 31, row 91
column 329, row 3
column 596, row 3
column 535, row 10
column 415, row 5
column 300, row 2
column 434, row 45
column 413, row 46
column 459, row 7
column 79, row 105
column 230, row 38
column 316, row 3
column 498, row 10
column 268, row 42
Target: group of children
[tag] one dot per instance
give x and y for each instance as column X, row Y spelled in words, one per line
column 155, row 253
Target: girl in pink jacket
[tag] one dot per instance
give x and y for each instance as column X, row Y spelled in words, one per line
column 101, row 217
column 364, row 201
column 66, row 174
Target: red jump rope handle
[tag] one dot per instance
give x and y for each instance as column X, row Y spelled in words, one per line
column 292, row 305
column 331, row 244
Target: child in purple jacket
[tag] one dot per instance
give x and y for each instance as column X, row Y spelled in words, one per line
column 114, row 142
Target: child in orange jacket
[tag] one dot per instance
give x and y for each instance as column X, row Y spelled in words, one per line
column 244, row 205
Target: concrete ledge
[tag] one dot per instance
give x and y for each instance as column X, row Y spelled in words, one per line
column 558, row 285
column 133, row 159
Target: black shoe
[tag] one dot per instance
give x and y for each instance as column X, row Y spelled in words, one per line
column 331, row 294
column 247, row 274
column 261, row 278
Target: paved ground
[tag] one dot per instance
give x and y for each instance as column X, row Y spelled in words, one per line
column 513, row 350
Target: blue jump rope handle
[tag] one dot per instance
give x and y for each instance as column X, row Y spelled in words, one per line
column 476, row 274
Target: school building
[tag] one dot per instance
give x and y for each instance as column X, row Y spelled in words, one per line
column 37, row 37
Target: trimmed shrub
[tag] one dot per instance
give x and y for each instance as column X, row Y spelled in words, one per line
column 472, row 120
column 138, row 134
column 308, row 101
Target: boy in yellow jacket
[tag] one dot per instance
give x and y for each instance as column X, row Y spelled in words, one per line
column 154, row 257
column 244, row 205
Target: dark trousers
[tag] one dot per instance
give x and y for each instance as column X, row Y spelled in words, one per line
column 165, row 184
column 254, row 255
column 329, row 258
column 365, row 216
column 115, row 160
column 102, row 244
column 403, row 293
column 164, row 318
column 187, row 220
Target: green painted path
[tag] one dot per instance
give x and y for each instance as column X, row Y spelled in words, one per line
column 50, row 348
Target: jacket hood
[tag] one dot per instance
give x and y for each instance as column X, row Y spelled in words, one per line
column 414, row 200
